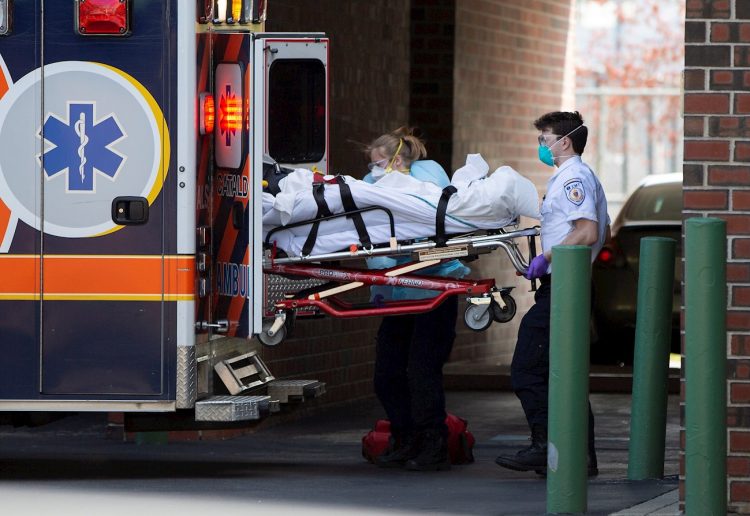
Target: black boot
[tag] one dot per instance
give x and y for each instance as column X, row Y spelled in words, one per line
column 591, row 462
column 433, row 453
column 531, row 458
column 400, row 449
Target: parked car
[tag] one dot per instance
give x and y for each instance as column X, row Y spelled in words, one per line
column 654, row 209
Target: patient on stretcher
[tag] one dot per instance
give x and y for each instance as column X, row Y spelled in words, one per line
column 481, row 201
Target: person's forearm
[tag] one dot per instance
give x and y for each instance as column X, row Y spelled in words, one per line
column 585, row 233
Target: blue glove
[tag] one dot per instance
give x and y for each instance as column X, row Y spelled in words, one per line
column 537, row 268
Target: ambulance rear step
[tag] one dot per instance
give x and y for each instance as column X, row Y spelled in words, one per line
column 295, row 390
column 243, row 372
column 248, row 372
column 234, row 408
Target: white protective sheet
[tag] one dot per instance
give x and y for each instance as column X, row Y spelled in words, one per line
column 481, row 202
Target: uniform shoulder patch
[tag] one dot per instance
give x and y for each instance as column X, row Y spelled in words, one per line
column 574, row 191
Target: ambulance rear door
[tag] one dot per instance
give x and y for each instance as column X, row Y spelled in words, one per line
column 108, row 212
column 291, row 107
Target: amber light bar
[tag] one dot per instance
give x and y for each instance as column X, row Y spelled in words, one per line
column 230, row 12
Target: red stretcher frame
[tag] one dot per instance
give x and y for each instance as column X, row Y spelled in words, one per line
column 487, row 302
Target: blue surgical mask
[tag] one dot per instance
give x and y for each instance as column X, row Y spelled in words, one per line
column 545, row 155
column 545, row 152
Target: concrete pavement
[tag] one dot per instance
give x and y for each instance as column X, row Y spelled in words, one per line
column 314, row 464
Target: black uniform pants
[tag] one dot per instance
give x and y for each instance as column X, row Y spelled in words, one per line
column 410, row 353
column 529, row 371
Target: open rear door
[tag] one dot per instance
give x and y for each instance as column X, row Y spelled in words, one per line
column 292, row 109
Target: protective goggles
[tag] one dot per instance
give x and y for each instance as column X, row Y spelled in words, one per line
column 379, row 163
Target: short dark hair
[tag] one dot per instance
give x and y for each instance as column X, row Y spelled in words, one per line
column 563, row 122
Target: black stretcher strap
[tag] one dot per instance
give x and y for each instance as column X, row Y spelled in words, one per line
column 440, row 237
column 348, row 202
column 323, row 211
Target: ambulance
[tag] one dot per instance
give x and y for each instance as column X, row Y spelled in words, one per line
column 133, row 136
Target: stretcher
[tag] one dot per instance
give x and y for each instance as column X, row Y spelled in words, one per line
column 313, row 285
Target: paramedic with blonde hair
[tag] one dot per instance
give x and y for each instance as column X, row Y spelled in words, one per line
column 412, row 349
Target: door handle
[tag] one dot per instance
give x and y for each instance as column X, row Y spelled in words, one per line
column 130, row 211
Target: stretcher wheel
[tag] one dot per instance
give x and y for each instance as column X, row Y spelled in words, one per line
column 503, row 315
column 478, row 317
column 277, row 338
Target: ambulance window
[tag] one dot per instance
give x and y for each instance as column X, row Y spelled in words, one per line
column 297, row 111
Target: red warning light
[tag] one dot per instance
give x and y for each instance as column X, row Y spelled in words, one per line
column 230, row 113
column 103, row 17
column 207, row 113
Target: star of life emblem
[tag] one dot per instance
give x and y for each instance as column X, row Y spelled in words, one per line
column 230, row 109
column 81, row 147
column 102, row 136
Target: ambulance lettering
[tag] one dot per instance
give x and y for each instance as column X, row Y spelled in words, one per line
column 232, row 185
column 203, row 193
column 232, row 279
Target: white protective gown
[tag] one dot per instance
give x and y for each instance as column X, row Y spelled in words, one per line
column 482, row 201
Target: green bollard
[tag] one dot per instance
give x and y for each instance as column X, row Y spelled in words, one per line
column 705, row 367
column 653, row 332
column 567, row 443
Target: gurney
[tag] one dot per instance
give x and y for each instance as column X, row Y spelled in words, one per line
column 311, row 283
column 477, row 201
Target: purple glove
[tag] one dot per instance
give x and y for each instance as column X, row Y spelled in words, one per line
column 537, row 268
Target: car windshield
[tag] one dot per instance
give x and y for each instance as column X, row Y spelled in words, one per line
column 656, row 202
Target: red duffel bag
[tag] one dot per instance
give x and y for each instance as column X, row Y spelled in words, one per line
column 460, row 440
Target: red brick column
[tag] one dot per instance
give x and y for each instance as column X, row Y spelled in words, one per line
column 717, row 184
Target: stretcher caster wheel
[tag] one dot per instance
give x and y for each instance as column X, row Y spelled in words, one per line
column 272, row 340
column 478, row 317
column 503, row 315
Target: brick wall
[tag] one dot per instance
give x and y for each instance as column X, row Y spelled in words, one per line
column 717, row 184
column 369, row 70
column 473, row 75
column 508, row 71
column 433, row 29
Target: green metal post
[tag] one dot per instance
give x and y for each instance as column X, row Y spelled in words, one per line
column 653, row 332
column 567, row 448
column 705, row 367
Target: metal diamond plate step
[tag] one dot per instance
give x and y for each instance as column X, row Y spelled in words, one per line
column 295, row 390
column 243, row 372
column 234, row 408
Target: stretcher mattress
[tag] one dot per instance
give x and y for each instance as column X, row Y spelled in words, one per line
column 482, row 201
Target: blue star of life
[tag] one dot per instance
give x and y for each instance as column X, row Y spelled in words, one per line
column 81, row 146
